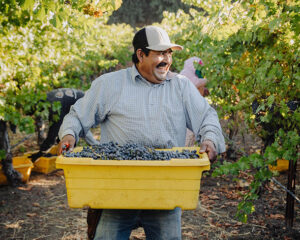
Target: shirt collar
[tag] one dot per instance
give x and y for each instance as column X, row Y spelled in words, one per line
column 135, row 75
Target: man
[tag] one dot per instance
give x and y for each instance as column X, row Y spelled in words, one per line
column 149, row 105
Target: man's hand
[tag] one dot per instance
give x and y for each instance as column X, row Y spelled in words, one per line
column 67, row 143
column 209, row 147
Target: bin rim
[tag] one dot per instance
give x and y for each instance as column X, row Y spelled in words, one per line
column 203, row 161
column 173, row 162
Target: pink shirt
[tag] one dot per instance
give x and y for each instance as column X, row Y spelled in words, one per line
column 189, row 71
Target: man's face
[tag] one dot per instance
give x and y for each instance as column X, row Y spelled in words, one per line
column 155, row 66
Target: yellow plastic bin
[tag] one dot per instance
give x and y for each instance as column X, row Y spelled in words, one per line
column 45, row 164
column 133, row 184
column 23, row 165
column 53, row 150
column 281, row 165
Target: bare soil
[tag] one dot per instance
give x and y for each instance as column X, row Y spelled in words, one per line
column 39, row 210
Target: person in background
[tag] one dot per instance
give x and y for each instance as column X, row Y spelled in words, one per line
column 147, row 105
column 67, row 97
column 195, row 76
column 12, row 175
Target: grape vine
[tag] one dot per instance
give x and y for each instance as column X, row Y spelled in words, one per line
column 250, row 51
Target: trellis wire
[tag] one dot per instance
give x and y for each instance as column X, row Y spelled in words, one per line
column 273, row 179
column 21, row 141
column 288, row 191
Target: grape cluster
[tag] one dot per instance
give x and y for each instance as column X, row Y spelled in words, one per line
column 129, row 151
column 293, row 105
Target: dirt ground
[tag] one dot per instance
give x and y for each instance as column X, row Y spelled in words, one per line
column 39, row 210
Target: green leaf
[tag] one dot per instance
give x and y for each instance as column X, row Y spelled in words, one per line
column 28, row 5
column 243, row 164
column 41, row 14
column 53, row 21
column 274, row 24
column 270, row 100
column 256, row 160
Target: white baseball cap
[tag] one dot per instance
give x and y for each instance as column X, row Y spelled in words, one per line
column 153, row 38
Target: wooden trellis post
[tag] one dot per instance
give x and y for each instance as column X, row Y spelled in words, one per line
column 289, row 211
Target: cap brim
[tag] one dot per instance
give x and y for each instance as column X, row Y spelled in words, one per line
column 163, row 47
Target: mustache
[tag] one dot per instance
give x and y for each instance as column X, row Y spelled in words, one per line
column 162, row 64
